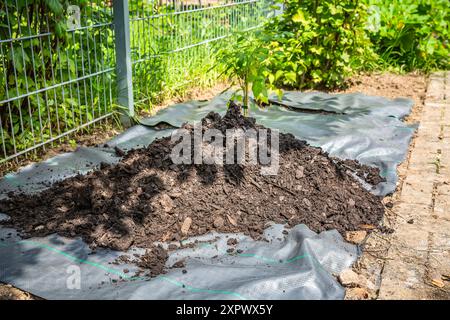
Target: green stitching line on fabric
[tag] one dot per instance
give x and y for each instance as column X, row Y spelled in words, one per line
column 73, row 258
column 180, row 284
column 173, row 281
column 270, row 260
column 97, row 265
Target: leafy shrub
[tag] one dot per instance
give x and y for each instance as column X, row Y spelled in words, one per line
column 411, row 34
column 244, row 61
column 318, row 43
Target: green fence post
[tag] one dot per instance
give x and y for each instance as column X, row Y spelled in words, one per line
column 123, row 60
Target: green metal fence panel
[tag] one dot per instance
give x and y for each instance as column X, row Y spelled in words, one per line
column 172, row 41
column 58, row 66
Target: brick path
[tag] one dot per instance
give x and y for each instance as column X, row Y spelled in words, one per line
column 419, row 256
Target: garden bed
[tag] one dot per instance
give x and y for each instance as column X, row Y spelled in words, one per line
column 146, row 198
column 388, row 85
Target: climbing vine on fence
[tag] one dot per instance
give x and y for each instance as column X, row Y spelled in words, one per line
column 39, row 51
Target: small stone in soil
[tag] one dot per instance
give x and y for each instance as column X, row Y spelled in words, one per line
column 356, row 237
column 218, row 222
column 349, row 278
column 179, row 264
column 119, row 152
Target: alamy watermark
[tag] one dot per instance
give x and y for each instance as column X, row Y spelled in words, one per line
column 73, row 17
column 73, row 280
column 236, row 146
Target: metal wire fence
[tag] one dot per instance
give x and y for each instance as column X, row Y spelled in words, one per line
column 62, row 67
column 171, row 45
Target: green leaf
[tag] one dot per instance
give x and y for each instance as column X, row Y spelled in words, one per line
column 259, row 90
column 60, row 29
column 345, row 57
column 291, row 77
column 299, row 17
column 55, row 6
column 278, row 74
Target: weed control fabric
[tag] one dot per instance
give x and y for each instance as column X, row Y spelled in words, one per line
column 128, row 226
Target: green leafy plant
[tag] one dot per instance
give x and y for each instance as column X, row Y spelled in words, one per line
column 411, row 34
column 175, row 51
column 318, row 43
column 245, row 62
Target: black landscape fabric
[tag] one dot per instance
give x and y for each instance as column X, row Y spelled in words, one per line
column 351, row 126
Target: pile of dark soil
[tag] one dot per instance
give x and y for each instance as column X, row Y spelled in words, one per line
column 147, row 198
